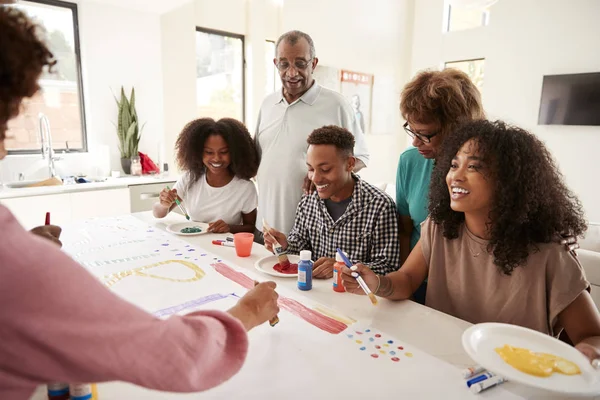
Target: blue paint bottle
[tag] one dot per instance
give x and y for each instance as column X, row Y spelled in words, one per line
column 305, row 267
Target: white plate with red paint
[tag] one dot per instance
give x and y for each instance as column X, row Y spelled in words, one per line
column 267, row 264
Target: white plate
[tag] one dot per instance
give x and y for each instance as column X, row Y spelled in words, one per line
column 479, row 341
column 267, row 263
column 176, row 228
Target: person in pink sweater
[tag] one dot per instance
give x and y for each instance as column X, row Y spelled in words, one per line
column 59, row 324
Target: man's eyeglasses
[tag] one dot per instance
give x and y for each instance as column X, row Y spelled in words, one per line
column 423, row 138
column 299, row 65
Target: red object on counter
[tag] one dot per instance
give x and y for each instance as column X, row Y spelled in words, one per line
column 148, row 165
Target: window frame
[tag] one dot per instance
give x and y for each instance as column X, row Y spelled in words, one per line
column 243, row 39
column 446, row 27
column 275, row 75
column 445, row 65
column 77, row 50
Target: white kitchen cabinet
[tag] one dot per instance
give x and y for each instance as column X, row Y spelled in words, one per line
column 77, row 204
column 143, row 197
column 31, row 211
column 67, row 207
column 100, row 203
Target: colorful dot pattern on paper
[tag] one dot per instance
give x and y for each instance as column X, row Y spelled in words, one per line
column 377, row 345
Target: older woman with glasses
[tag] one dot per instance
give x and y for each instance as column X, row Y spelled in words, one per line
column 433, row 104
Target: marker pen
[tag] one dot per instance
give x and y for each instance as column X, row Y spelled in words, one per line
column 223, row 243
column 472, row 371
column 488, row 383
column 479, row 378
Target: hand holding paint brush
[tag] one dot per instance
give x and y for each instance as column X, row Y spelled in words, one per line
column 168, row 197
column 277, row 248
column 357, row 277
column 275, row 320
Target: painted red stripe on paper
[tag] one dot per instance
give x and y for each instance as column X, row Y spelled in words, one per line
column 231, row 274
column 313, row 317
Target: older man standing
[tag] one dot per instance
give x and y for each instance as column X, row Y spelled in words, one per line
column 285, row 120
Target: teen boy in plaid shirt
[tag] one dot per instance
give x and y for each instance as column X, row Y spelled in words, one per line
column 344, row 211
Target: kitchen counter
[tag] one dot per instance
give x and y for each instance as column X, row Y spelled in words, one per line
column 110, row 183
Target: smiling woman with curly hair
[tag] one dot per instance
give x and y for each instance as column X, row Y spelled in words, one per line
column 530, row 204
column 219, row 158
column 489, row 247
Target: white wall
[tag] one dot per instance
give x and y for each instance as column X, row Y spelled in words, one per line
column 369, row 37
column 118, row 47
column 525, row 40
column 122, row 47
column 179, row 75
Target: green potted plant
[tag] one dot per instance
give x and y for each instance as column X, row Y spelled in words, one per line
column 128, row 129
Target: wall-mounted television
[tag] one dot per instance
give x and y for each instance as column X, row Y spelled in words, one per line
column 572, row 99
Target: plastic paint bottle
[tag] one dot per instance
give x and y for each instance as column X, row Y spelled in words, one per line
column 83, row 391
column 305, row 267
column 58, row 391
column 337, row 274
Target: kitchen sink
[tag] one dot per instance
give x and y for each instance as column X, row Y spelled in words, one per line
column 34, row 183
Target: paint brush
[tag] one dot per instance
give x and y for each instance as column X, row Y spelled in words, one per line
column 180, row 206
column 277, row 248
column 273, row 321
column 47, row 221
column 359, row 279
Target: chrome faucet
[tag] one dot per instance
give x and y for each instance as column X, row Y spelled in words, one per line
column 46, row 139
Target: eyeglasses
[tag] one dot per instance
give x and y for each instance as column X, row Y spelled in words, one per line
column 299, row 65
column 423, row 138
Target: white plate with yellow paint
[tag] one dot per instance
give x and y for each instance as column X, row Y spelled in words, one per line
column 181, row 228
column 481, row 340
column 267, row 264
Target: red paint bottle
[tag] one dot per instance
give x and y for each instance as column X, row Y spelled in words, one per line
column 338, row 286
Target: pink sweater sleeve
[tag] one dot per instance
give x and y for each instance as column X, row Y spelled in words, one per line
column 59, row 324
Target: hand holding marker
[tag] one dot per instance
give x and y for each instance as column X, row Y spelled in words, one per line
column 358, row 278
column 180, row 206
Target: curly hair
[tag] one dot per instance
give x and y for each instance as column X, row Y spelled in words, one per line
column 446, row 97
column 190, row 147
column 530, row 205
column 341, row 138
column 23, row 56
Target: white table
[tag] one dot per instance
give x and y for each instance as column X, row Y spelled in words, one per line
column 431, row 331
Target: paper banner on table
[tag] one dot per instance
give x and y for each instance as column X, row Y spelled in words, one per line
column 313, row 352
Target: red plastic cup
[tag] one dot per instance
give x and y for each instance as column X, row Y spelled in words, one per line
column 243, row 243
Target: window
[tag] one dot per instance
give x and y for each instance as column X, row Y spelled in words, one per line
column 465, row 17
column 273, row 81
column 219, row 74
column 473, row 68
column 61, row 97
